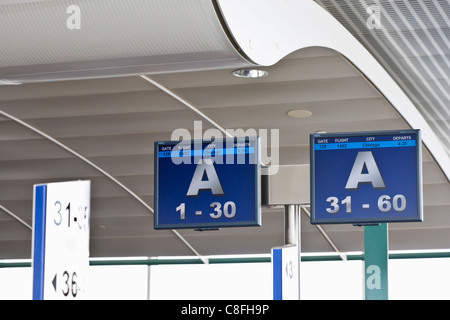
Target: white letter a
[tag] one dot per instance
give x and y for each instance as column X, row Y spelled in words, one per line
column 206, row 168
column 366, row 160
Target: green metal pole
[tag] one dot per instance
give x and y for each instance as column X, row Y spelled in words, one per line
column 376, row 262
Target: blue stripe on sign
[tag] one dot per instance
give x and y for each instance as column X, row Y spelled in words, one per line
column 365, row 145
column 207, row 152
column 277, row 273
column 40, row 200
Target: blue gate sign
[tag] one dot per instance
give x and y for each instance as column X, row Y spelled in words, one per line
column 207, row 184
column 366, row 177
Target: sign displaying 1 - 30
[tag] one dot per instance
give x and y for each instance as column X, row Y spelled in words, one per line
column 61, row 239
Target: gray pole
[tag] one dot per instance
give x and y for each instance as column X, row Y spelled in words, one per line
column 291, row 224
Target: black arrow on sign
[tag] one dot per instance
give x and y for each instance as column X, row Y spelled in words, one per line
column 54, row 282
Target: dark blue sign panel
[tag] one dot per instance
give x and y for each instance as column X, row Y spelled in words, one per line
column 366, row 177
column 210, row 184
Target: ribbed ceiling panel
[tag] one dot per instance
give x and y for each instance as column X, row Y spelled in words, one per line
column 36, row 33
column 37, row 37
column 413, row 44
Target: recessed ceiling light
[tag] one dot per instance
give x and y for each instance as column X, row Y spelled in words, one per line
column 299, row 114
column 250, row 73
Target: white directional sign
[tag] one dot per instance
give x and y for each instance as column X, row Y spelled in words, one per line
column 60, row 239
column 285, row 265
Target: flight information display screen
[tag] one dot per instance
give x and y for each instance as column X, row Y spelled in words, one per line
column 366, row 177
column 207, row 184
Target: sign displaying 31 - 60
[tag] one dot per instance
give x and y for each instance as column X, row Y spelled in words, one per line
column 207, row 184
column 366, row 177
column 61, row 240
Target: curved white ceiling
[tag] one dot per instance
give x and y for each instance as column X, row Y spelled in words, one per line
column 265, row 40
column 410, row 39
